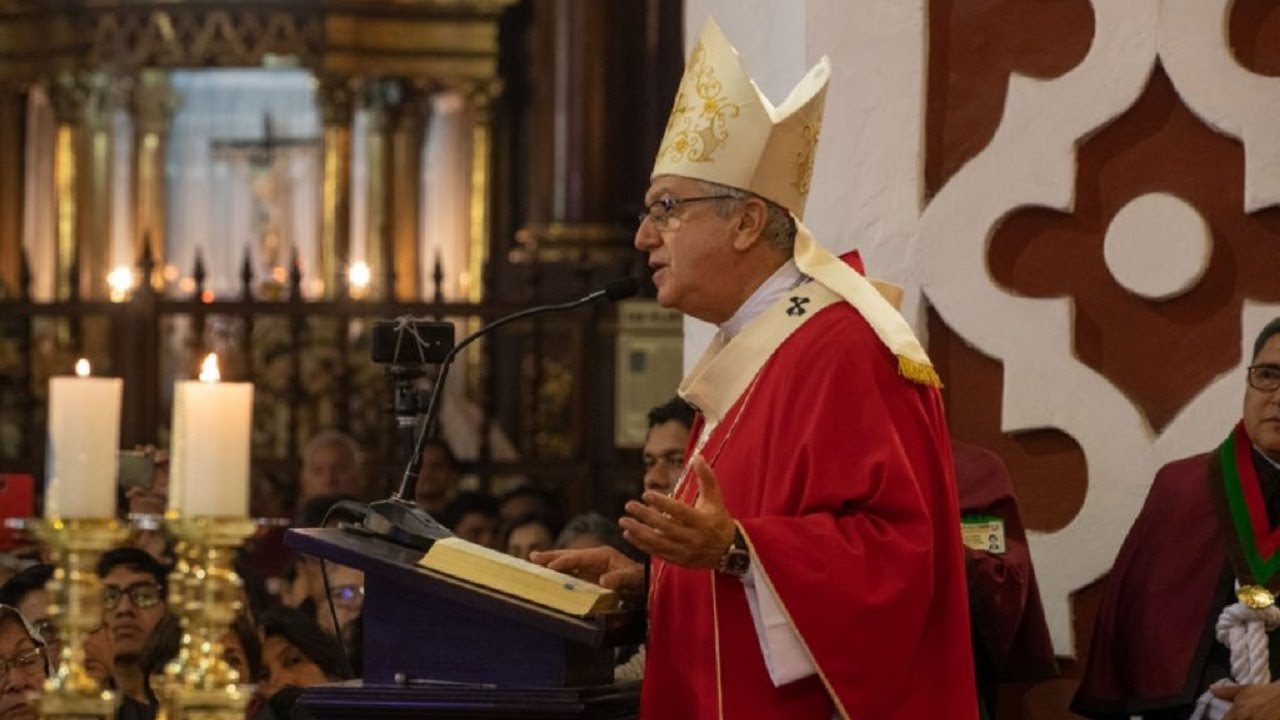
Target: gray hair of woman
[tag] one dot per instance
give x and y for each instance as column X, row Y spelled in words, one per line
column 592, row 529
column 8, row 612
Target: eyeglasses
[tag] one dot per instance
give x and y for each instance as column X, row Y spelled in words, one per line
column 1264, row 377
column 143, row 595
column 347, row 594
column 660, row 211
column 26, row 661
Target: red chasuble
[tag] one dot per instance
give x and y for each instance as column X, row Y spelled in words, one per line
column 839, row 472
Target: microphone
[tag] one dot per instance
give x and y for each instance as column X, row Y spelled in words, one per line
column 399, row 518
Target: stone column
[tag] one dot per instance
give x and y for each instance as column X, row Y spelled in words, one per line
column 479, row 99
column 68, row 98
column 380, row 99
column 336, row 106
column 154, row 103
column 83, row 103
column 13, row 137
column 408, row 135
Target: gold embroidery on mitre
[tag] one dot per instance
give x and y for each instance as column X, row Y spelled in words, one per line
column 697, row 129
column 805, row 157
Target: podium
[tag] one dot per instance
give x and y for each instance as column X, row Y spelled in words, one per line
column 439, row 647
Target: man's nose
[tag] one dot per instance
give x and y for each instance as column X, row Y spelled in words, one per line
column 647, row 235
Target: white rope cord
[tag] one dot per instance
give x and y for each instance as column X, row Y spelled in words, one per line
column 1243, row 631
column 405, row 326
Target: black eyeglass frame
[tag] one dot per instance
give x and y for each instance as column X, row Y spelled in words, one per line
column 670, row 205
column 111, row 595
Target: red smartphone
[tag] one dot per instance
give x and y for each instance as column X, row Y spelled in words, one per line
column 17, row 500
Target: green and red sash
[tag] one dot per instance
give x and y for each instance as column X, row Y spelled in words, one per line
column 1254, row 543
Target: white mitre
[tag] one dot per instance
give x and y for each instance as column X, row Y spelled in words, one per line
column 722, row 129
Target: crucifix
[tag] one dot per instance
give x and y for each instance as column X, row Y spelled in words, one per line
column 266, row 161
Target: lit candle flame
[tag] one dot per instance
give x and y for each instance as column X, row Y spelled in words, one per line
column 82, row 368
column 209, row 369
column 358, row 275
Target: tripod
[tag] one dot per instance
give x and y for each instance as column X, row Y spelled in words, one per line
column 408, row 403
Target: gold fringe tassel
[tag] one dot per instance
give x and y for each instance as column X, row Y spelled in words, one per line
column 918, row 372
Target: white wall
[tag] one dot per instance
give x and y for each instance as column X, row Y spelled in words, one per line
column 866, row 194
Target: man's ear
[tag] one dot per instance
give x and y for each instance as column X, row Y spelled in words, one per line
column 751, row 222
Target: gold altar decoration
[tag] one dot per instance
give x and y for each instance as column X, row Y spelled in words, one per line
column 205, row 593
column 76, row 608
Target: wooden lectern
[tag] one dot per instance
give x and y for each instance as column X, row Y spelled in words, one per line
column 438, row 647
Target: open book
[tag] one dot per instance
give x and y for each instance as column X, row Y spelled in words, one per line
column 497, row 571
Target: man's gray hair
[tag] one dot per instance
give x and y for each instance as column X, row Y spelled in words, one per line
column 337, row 439
column 779, row 228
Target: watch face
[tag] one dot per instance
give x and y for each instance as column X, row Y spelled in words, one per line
column 738, row 562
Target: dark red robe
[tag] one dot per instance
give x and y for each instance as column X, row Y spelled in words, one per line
column 1150, row 641
column 839, row 472
column 1009, row 628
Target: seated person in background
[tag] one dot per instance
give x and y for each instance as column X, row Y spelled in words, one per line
column 161, row 647
column 99, row 656
column 332, row 464
column 665, row 444
column 590, row 530
column 1010, row 637
column 1197, row 569
column 527, row 500
column 437, row 479
column 346, row 587
column 242, row 650
column 528, row 534
column 26, row 666
column 133, row 603
column 295, row 582
column 26, row 592
column 296, row 654
column 473, row 517
column 151, row 498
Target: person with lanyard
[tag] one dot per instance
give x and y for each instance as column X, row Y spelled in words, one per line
column 809, row 562
column 1187, row 621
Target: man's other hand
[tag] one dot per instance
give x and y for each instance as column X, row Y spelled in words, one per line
column 695, row 537
column 1250, row 702
column 602, row 565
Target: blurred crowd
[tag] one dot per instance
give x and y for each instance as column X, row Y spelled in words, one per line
column 295, row 629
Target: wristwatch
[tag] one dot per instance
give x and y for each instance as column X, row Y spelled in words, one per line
column 736, row 561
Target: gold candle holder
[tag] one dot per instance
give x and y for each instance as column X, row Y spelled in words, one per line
column 205, row 593
column 76, row 608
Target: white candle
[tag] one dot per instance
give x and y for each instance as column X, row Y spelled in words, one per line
column 84, row 445
column 212, row 424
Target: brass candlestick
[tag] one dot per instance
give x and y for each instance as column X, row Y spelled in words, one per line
column 76, row 608
column 205, row 593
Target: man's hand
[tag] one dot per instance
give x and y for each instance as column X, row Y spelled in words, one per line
column 602, row 565
column 695, row 537
column 1250, row 702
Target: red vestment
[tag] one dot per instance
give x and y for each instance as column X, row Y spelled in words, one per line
column 839, row 472
column 1150, row 641
column 1004, row 598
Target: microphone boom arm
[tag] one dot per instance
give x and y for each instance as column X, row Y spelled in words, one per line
column 408, row 482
